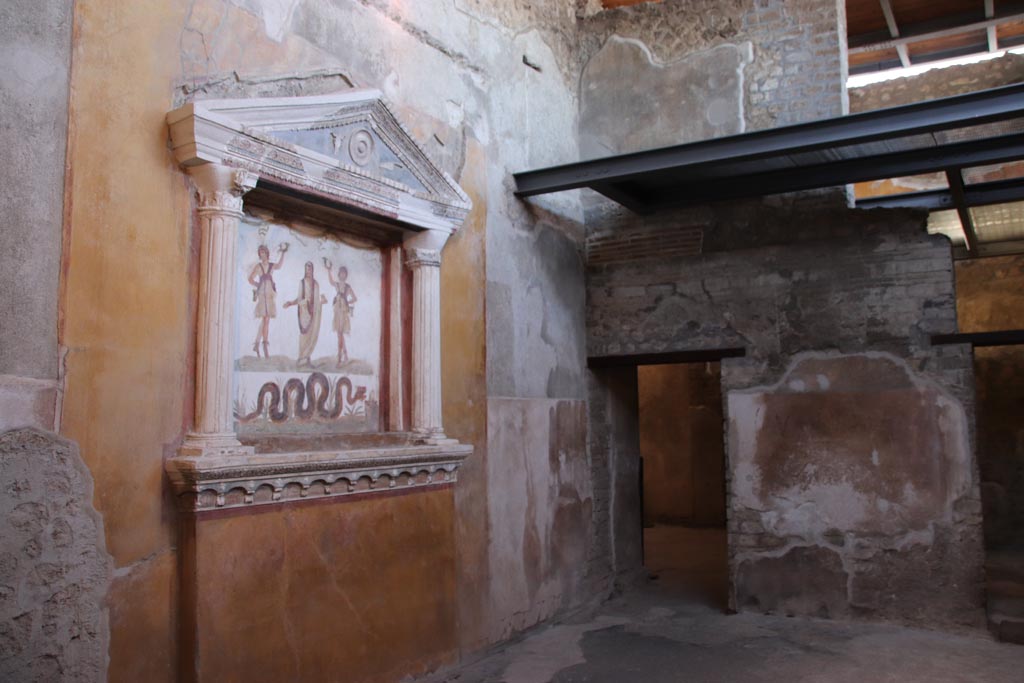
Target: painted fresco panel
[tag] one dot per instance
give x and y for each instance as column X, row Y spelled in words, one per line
column 308, row 320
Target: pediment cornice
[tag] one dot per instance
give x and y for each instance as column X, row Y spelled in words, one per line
column 347, row 148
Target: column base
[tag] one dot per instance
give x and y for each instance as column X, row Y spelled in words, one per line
column 199, row 445
column 433, row 437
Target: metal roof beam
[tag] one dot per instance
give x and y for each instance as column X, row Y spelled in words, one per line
column 956, row 188
column 875, row 167
column 978, row 194
column 953, row 112
column 894, row 31
column 925, row 57
column 990, row 32
column 666, row 357
column 996, row 338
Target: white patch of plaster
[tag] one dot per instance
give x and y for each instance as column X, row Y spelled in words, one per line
column 823, row 382
column 874, row 457
column 814, row 509
column 746, row 418
column 276, row 15
column 798, row 385
column 539, row 658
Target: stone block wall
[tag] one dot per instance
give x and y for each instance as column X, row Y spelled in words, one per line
column 852, row 483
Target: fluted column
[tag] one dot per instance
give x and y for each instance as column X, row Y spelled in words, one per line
column 425, row 265
column 220, row 190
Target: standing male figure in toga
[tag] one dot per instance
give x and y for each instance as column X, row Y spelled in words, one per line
column 309, row 302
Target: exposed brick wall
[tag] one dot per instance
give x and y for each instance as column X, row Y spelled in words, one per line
column 954, row 80
column 797, row 73
column 855, row 295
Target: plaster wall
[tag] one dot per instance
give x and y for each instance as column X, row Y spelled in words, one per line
column 35, row 47
column 488, row 87
column 838, row 373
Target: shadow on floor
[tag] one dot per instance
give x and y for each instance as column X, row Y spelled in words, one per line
column 690, row 563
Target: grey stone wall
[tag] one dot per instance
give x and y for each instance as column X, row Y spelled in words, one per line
column 54, row 568
column 35, row 49
column 855, row 296
column 796, row 72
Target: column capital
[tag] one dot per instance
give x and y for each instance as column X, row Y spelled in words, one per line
column 221, row 187
column 418, row 258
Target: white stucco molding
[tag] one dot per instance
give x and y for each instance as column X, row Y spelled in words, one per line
column 348, row 148
column 223, row 482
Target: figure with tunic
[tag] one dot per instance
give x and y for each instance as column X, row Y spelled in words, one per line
column 344, row 301
column 261, row 277
column 309, row 302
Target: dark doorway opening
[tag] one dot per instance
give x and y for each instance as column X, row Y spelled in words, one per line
column 683, row 488
column 999, row 385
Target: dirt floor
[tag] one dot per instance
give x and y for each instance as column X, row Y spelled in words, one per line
column 673, row 629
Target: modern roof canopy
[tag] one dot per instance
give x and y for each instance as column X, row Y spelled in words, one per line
column 944, row 135
column 887, row 34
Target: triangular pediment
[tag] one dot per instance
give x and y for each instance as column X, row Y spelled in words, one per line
column 348, row 147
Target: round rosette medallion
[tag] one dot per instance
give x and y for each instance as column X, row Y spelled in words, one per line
column 360, row 147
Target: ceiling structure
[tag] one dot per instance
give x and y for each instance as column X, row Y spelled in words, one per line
column 972, row 140
column 887, row 34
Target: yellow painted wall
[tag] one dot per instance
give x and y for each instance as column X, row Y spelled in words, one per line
column 128, row 293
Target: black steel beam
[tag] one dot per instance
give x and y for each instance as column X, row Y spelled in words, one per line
column 985, row 106
column 986, row 249
column 956, row 190
column 978, row 194
column 999, row 338
column 875, row 167
column 619, row 195
column 666, row 358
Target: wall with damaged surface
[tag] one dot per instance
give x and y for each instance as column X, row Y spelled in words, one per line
column 852, row 485
column 488, row 87
column 54, row 567
column 990, row 297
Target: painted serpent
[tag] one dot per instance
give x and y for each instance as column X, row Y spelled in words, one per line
column 304, row 400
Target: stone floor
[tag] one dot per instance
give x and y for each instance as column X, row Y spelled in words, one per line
column 671, row 629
